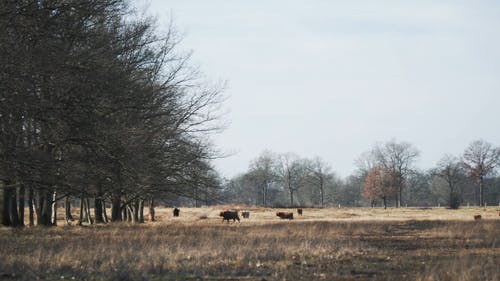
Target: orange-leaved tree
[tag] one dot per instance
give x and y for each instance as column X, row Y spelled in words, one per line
column 379, row 185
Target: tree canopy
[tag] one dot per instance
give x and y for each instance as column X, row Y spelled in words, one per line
column 96, row 103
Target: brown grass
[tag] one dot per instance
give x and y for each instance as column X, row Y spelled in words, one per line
column 323, row 244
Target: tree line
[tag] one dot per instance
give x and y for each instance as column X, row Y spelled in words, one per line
column 385, row 175
column 96, row 104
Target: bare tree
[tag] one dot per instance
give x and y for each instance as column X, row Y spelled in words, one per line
column 263, row 173
column 319, row 176
column 451, row 171
column 418, row 190
column 480, row 159
column 291, row 173
column 398, row 159
column 366, row 162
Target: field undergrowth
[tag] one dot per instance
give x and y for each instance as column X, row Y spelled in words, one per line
column 323, row 244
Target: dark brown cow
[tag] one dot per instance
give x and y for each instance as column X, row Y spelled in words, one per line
column 299, row 211
column 477, row 217
column 176, row 212
column 229, row 215
column 245, row 214
column 285, row 215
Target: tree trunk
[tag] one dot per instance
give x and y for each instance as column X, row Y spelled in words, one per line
column 481, row 191
column 104, row 212
column 141, row 211
column 80, row 219
column 1, row 202
column 85, row 217
column 87, row 211
column 124, row 213
column 47, row 212
column 14, row 216
column 195, row 197
column 291, row 198
column 322, row 190
column 31, row 206
column 130, row 216
column 38, row 208
column 451, row 195
column 135, row 211
column 400, row 196
column 98, row 210
column 98, row 205
column 322, row 198
column 22, row 193
column 53, row 220
column 116, row 209
column 207, row 201
column 264, row 195
column 4, row 204
column 152, row 209
column 67, row 206
column 385, row 202
column 43, row 210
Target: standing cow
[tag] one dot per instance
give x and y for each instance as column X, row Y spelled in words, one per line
column 285, row 215
column 299, row 211
column 176, row 212
column 229, row 215
column 245, row 214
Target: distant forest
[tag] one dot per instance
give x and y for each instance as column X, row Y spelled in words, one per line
column 385, row 176
column 100, row 110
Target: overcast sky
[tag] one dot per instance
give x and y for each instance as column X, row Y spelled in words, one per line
column 330, row 78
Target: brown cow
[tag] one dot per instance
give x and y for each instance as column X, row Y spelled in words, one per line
column 285, row 215
column 477, row 217
column 176, row 212
column 229, row 215
column 299, row 211
column 245, row 214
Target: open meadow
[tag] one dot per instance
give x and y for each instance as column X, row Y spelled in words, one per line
column 322, row 244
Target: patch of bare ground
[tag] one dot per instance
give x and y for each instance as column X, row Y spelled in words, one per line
column 355, row 245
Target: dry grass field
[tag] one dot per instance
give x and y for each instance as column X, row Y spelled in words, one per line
column 323, row 244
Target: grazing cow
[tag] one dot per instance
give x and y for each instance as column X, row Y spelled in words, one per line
column 285, row 215
column 299, row 211
column 229, row 215
column 245, row 214
column 477, row 217
column 176, row 212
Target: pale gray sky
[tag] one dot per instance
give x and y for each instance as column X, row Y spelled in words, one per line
column 330, row 78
